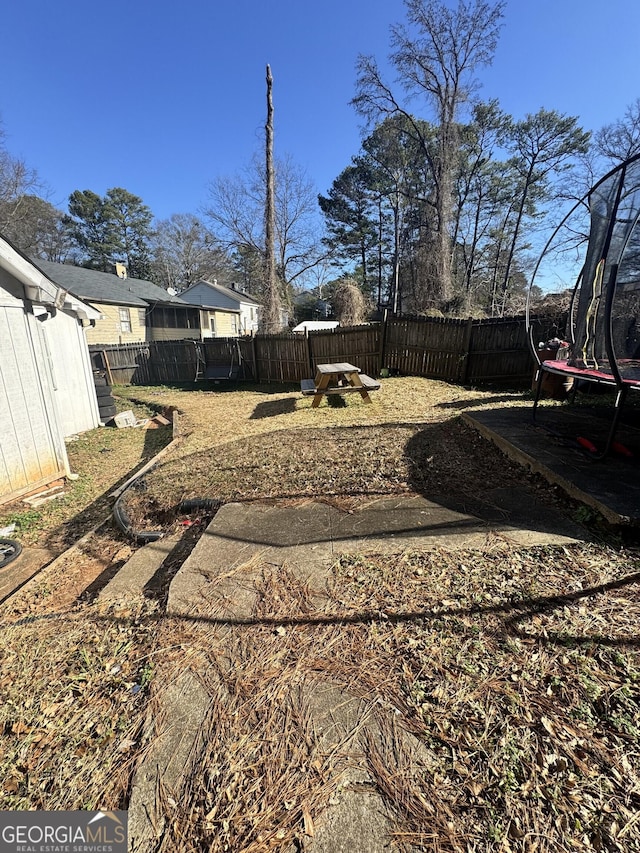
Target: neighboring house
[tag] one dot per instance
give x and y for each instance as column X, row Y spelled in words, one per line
column 315, row 326
column 307, row 306
column 46, row 381
column 132, row 309
column 229, row 311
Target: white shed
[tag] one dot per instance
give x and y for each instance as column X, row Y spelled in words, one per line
column 315, row 326
column 46, row 381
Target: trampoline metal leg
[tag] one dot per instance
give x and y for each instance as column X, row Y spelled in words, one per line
column 573, row 392
column 621, row 396
column 536, row 399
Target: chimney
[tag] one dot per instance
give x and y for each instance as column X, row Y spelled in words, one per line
column 121, row 270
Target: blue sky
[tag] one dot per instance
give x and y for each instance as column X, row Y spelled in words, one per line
column 161, row 98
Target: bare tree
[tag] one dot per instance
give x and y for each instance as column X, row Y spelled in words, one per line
column 236, row 216
column 18, row 183
column 435, row 61
column 39, row 229
column 621, row 139
column 184, row 252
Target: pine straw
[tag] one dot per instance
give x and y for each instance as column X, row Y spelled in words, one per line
column 524, row 688
column 73, row 694
column 517, row 677
column 516, row 670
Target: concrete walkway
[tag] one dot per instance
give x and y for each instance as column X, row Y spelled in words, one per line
column 218, row 582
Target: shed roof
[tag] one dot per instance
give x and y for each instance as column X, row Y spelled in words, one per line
column 39, row 287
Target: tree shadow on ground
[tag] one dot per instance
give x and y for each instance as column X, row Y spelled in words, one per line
column 515, row 612
column 452, row 465
column 223, row 386
column 479, row 401
column 273, row 408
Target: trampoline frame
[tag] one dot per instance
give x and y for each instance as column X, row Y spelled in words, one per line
column 613, row 377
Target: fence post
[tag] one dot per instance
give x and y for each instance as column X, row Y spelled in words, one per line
column 383, row 339
column 309, row 352
column 466, row 355
column 254, row 356
column 107, row 367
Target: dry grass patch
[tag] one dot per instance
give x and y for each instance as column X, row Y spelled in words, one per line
column 102, row 458
column 520, row 673
column 517, row 670
column 409, row 440
column 73, row 693
column 217, row 414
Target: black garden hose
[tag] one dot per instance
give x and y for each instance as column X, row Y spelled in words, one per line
column 9, row 550
column 140, row 537
column 198, row 503
column 143, row 537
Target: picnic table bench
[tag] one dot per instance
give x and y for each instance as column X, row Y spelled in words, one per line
column 340, row 378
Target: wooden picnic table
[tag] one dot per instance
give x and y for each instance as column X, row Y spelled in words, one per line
column 339, row 378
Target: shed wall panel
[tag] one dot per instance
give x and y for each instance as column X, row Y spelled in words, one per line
column 31, row 446
column 73, row 377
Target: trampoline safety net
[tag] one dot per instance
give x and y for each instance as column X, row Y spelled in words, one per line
column 607, row 316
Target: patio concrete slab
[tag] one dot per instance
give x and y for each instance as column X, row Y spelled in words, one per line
column 549, row 447
column 138, row 571
column 177, row 722
column 219, row 582
column 311, row 536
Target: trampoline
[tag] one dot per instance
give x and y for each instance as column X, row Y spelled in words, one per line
column 604, row 317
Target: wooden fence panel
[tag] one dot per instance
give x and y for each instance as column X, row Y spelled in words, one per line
column 148, row 363
column 432, row 347
column 281, row 358
column 218, row 352
column 498, row 350
column 128, row 363
column 174, row 361
column 359, row 345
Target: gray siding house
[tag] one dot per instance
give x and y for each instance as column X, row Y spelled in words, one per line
column 240, row 308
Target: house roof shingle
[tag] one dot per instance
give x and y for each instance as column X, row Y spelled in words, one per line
column 97, row 286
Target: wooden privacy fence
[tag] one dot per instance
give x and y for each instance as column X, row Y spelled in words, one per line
column 463, row 351
column 149, row 363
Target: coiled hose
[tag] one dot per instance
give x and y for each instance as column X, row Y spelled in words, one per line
column 143, row 537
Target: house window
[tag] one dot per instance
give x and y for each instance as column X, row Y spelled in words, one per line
column 142, row 316
column 234, row 324
column 212, row 323
column 125, row 320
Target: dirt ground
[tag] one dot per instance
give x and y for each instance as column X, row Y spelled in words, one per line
column 518, row 669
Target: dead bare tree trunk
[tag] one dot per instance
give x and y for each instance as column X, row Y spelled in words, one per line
column 271, row 313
